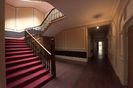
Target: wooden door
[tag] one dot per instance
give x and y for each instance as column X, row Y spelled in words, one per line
column 130, row 57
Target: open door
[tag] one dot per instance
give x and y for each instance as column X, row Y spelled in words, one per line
column 130, row 57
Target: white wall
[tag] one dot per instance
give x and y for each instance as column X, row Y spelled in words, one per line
column 72, row 39
column 18, row 19
column 24, row 18
column 9, row 16
column 75, row 39
column 2, row 46
column 38, row 17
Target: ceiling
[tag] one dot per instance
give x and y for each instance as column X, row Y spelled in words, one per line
column 40, row 5
column 77, row 12
column 82, row 12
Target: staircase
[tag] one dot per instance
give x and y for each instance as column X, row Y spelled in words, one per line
column 24, row 69
column 53, row 16
column 28, row 63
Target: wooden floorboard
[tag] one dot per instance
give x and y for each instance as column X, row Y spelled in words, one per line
column 94, row 74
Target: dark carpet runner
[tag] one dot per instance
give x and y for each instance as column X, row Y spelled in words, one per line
column 23, row 68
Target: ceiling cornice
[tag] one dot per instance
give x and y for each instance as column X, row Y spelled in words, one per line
column 115, row 7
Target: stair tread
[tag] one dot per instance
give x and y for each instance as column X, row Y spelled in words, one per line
column 19, row 52
column 39, row 81
column 21, row 60
column 23, row 71
column 18, row 56
column 21, row 65
column 24, row 79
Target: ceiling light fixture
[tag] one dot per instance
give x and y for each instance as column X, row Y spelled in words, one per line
column 97, row 16
column 97, row 27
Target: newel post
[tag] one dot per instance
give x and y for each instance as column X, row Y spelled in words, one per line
column 53, row 67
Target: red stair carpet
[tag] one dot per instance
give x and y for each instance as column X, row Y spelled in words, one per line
column 23, row 68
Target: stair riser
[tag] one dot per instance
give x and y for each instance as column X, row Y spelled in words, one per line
column 17, row 58
column 15, row 42
column 18, row 63
column 18, row 69
column 13, row 50
column 23, row 75
column 17, row 53
column 18, row 46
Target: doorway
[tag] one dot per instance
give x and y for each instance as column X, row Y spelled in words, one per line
column 100, row 50
column 99, row 41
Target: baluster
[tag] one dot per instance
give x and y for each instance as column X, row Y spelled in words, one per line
column 47, row 59
column 52, row 57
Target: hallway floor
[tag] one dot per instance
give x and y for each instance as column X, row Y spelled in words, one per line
column 94, row 74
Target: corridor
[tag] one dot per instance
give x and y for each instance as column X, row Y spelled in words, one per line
column 97, row 73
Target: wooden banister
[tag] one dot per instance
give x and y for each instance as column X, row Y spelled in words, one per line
column 45, row 52
column 39, row 43
column 47, row 16
column 44, row 19
column 48, row 20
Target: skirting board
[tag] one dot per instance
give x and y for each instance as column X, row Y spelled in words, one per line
column 72, row 58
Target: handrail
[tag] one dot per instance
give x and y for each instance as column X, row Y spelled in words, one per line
column 46, row 56
column 51, row 17
column 39, row 44
column 47, row 15
column 44, row 19
column 54, row 14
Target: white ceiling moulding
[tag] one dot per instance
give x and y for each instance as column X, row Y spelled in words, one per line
column 115, row 6
column 93, row 23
